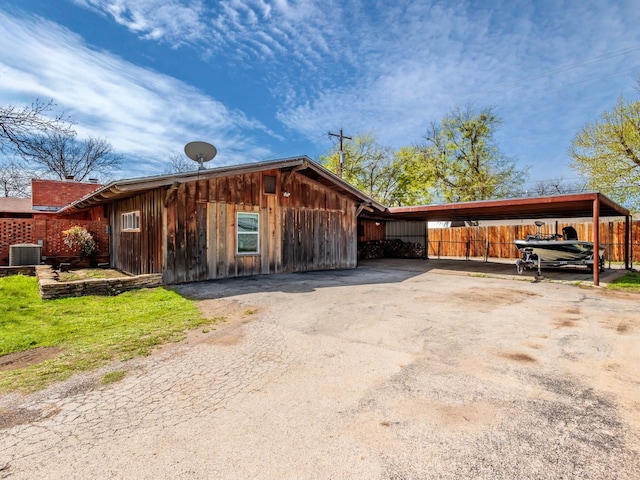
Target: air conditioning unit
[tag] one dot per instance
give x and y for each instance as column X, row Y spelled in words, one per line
column 25, row 254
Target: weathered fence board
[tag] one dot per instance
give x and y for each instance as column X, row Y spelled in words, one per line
column 497, row 241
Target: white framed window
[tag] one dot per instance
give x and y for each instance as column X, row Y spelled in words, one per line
column 247, row 228
column 131, row 221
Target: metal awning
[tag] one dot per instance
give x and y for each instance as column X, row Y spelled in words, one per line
column 556, row 206
column 593, row 205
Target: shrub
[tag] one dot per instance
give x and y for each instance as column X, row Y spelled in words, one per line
column 79, row 238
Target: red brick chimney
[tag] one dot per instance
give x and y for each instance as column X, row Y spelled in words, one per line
column 52, row 195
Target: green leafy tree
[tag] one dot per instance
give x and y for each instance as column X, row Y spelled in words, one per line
column 607, row 153
column 416, row 185
column 379, row 171
column 460, row 153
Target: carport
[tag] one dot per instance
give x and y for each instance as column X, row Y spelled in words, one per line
column 583, row 205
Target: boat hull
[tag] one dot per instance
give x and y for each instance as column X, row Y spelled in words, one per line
column 559, row 250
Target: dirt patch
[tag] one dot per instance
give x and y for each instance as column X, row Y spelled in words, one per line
column 621, row 323
column 230, row 310
column 612, row 366
column 518, row 357
column 226, row 316
column 572, row 311
column 232, row 339
column 567, row 317
column 89, row 273
column 22, row 416
column 489, row 299
column 564, row 323
column 622, row 327
column 14, row 361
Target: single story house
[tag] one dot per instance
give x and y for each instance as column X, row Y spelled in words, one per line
column 287, row 215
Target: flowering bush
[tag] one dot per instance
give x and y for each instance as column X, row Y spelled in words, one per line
column 78, row 237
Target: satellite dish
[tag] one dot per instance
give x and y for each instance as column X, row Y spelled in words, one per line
column 200, row 152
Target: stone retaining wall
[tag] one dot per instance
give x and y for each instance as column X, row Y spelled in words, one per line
column 28, row 270
column 50, row 287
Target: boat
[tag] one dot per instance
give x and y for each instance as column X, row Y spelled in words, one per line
column 555, row 250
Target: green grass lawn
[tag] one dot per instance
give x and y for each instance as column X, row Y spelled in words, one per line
column 630, row 282
column 89, row 331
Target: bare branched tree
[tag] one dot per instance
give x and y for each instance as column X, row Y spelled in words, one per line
column 19, row 125
column 15, row 181
column 178, row 163
column 62, row 156
column 556, row 186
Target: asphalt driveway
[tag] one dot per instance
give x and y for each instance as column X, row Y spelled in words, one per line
column 395, row 370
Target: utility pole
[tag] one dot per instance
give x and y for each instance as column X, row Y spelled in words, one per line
column 340, row 136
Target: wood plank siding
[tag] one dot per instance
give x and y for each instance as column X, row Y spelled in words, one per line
column 139, row 252
column 371, row 230
column 318, row 228
column 188, row 230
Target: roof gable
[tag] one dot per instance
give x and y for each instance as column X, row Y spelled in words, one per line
column 303, row 165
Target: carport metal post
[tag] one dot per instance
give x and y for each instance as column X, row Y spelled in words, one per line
column 596, row 240
column 628, row 252
column 426, row 240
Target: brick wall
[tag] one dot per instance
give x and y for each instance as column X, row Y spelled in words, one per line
column 56, row 193
column 12, row 231
column 48, row 229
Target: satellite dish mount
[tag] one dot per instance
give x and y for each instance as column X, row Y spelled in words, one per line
column 200, row 152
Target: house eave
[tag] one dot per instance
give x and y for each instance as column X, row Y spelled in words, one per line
column 126, row 188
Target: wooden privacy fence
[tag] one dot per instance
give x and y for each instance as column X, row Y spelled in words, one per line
column 497, row 241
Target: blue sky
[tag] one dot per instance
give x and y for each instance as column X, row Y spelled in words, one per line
column 268, row 79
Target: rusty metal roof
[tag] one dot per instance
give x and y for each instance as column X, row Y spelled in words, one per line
column 556, row 206
column 304, row 165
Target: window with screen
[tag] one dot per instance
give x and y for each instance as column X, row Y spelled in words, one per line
column 131, row 221
column 247, row 228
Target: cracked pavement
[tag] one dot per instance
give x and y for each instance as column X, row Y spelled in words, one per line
column 395, row 370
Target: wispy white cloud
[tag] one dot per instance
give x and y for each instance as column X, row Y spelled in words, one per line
column 252, row 28
column 145, row 114
column 178, row 22
column 547, row 71
column 392, row 67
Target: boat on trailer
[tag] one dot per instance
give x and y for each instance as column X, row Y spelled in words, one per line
column 556, row 250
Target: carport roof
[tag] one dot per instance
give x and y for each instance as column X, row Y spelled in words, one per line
column 556, row 206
